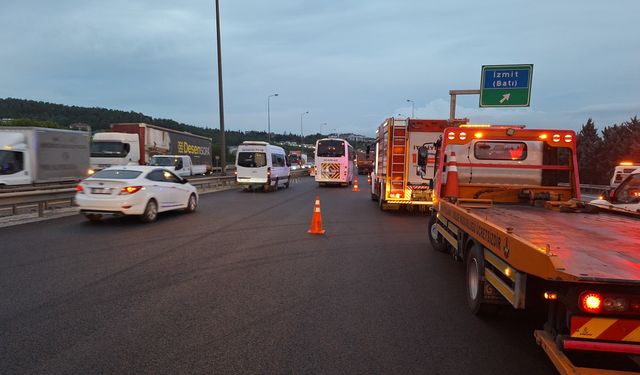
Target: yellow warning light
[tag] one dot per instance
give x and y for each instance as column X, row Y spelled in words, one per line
column 550, row 295
column 543, row 136
column 478, row 135
column 626, row 163
column 507, row 272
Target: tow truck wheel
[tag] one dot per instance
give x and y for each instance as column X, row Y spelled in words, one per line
column 476, row 282
column 438, row 242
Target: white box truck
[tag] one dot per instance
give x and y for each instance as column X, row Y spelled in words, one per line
column 42, row 155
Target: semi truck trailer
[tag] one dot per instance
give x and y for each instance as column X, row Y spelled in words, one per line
column 136, row 143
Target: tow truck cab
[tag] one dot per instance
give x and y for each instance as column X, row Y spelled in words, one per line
column 507, row 203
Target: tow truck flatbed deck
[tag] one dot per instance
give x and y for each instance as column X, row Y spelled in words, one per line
column 590, row 247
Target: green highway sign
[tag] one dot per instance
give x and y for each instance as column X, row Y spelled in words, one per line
column 506, row 85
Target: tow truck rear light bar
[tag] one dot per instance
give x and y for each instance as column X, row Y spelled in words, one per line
column 596, row 302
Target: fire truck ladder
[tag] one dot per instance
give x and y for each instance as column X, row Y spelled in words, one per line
column 398, row 157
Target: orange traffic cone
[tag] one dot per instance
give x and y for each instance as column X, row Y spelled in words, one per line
column 316, row 219
column 355, row 183
column 451, row 188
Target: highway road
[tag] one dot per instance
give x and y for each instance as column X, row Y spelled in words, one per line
column 240, row 287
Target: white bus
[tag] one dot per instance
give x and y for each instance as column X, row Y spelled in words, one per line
column 335, row 161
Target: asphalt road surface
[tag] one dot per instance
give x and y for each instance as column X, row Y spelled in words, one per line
column 240, row 287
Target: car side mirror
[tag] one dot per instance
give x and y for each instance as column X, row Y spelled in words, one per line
column 184, row 181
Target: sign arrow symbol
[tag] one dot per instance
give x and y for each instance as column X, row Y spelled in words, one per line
column 505, row 98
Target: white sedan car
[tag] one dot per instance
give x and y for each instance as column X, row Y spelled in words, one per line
column 134, row 190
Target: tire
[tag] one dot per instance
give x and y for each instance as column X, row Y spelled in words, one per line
column 438, row 243
column 474, row 266
column 94, row 218
column 275, row 186
column 192, row 204
column 150, row 212
column 286, row 185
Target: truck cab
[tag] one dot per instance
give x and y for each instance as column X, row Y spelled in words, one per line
column 621, row 171
column 14, row 160
column 179, row 164
column 110, row 148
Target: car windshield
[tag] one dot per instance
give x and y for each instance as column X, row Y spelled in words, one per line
column 119, row 174
column 629, row 190
column 163, row 161
column 109, row 149
column 330, row 148
column 252, row 159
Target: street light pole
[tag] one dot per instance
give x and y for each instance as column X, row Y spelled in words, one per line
column 223, row 146
column 412, row 106
column 269, row 116
column 301, row 132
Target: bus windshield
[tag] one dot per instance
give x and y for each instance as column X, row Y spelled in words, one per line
column 330, row 148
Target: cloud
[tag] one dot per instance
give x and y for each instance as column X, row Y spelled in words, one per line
column 350, row 63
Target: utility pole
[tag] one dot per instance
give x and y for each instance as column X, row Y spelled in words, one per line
column 301, row 132
column 223, row 146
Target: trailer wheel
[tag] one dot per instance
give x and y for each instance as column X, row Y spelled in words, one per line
column 476, row 283
column 438, row 242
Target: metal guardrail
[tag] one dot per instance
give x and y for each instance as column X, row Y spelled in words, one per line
column 42, row 199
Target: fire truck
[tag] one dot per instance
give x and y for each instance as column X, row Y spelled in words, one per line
column 507, row 204
column 404, row 162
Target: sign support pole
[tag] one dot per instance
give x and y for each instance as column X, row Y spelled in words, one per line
column 452, row 104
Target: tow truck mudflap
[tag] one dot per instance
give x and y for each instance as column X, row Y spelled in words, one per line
column 564, row 364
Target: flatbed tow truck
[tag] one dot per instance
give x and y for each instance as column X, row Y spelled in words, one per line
column 510, row 208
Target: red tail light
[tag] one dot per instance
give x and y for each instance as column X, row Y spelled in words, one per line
column 591, row 302
column 79, row 189
column 130, row 190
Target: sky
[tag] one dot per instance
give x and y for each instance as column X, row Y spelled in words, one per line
column 349, row 63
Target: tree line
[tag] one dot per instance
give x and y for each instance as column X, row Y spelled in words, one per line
column 599, row 152
column 21, row 112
